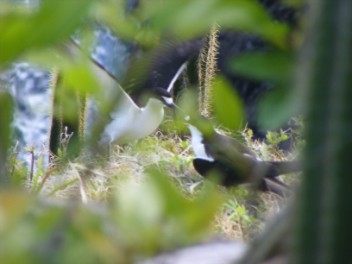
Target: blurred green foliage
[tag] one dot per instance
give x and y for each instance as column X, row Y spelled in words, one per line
column 154, row 216
column 140, row 219
column 270, row 65
column 52, row 22
column 32, row 232
column 185, row 19
column 228, row 107
column 277, row 67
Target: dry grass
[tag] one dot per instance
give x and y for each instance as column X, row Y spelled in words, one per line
column 242, row 215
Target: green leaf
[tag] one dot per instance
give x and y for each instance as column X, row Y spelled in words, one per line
column 157, row 212
column 80, row 78
column 270, row 65
column 227, row 106
column 54, row 21
column 176, row 17
column 276, row 107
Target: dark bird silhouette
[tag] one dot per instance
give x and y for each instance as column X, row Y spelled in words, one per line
column 236, row 164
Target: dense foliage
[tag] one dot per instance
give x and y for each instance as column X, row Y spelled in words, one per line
column 140, row 220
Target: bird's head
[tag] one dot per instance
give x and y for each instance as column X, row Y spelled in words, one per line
column 165, row 96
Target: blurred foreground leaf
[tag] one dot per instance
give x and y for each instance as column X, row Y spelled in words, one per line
column 34, row 231
column 276, row 107
column 227, row 106
column 79, row 78
column 275, row 67
column 193, row 18
column 54, row 21
column 187, row 19
column 271, row 65
column 153, row 215
column 144, row 218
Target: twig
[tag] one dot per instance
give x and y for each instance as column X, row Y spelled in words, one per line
column 14, row 158
column 31, row 152
column 46, row 176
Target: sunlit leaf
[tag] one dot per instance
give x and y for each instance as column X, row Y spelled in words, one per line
column 112, row 13
column 227, row 106
column 80, row 78
column 54, row 21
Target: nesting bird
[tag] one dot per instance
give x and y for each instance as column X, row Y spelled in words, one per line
column 236, row 163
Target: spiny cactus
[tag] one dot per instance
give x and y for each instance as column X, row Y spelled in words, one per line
column 324, row 214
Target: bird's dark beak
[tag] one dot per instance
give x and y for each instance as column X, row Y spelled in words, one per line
column 173, row 106
column 168, row 101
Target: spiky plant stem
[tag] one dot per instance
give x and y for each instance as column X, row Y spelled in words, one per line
column 324, row 213
column 81, row 102
column 201, row 62
column 206, row 71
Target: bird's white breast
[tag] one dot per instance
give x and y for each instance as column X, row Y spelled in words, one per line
column 198, row 145
column 130, row 123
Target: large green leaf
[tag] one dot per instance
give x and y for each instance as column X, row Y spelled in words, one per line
column 187, row 19
column 276, row 107
column 275, row 66
column 227, row 106
column 270, row 65
column 38, row 231
column 154, row 215
column 54, row 21
column 80, row 78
